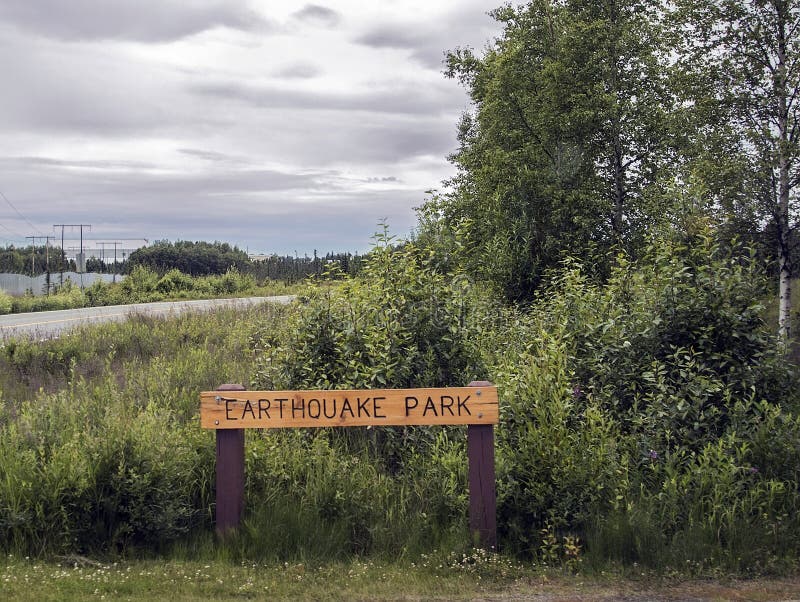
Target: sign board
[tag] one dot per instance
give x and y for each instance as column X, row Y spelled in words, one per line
column 373, row 407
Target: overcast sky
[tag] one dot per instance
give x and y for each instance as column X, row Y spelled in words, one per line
column 274, row 125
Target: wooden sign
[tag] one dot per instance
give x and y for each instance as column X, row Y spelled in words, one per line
column 374, row 407
column 230, row 409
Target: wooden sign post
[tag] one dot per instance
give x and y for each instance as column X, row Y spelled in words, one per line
column 230, row 409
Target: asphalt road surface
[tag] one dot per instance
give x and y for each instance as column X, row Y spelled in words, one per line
column 50, row 324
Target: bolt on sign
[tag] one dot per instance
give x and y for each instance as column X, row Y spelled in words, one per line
column 374, row 407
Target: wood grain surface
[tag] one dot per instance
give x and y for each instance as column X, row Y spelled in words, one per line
column 374, row 407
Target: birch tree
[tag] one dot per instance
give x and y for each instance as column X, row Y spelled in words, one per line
column 752, row 50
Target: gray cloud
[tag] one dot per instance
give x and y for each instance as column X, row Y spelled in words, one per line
column 335, row 138
column 428, row 43
column 424, row 47
column 229, row 136
column 402, row 98
column 393, row 36
column 139, row 20
column 317, row 15
column 52, row 86
column 246, row 207
column 101, row 164
column 299, row 71
column 212, row 156
column 129, row 177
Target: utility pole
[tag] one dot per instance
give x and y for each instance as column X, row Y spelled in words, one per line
column 33, row 253
column 102, row 256
column 103, row 247
column 71, row 226
column 47, row 240
column 33, row 250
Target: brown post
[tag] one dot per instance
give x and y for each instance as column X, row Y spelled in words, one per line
column 230, row 474
column 482, row 495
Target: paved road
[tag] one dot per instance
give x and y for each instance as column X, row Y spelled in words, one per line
column 49, row 324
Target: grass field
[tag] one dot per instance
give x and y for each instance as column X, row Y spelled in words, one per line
column 78, row 578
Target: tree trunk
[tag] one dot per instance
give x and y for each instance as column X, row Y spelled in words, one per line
column 784, row 189
column 785, row 301
column 618, row 192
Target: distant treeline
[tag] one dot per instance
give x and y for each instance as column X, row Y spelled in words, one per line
column 193, row 258
column 205, row 259
column 23, row 260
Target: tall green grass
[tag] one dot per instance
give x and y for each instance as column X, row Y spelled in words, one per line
column 101, row 452
column 99, row 443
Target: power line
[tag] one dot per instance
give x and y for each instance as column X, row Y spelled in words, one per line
column 17, row 235
column 33, row 251
column 71, row 226
column 10, row 204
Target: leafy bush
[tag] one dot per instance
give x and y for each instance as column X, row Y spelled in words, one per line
column 6, row 302
column 399, row 324
column 67, row 296
column 115, row 481
column 231, row 282
column 651, row 418
column 636, row 413
column 143, row 286
column 100, row 449
column 173, row 282
column 140, row 286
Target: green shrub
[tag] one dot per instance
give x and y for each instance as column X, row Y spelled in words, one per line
column 231, row 282
column 659, row 398
column 100, row 448
column 399, row 324
column 174, row 282
column 94, row 476
column 140, row 286
column 650, row 419
column 67, row 296
column 6, row 302
column 559, row 461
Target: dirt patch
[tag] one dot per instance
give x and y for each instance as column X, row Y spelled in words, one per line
column 760, row 590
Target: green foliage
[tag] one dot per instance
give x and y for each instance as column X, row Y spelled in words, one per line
column 558, row 460
column 315, row 497
column 99, row 442
column 143, row 285
column 93, row 475
column 194, row 258
column 399, row 324
column 67, row 296
column 173, row 282
column 6, row 302
column 650, row 419
column 566, row 151
column 673, row 347
column 654, row 416
column 23, row 260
